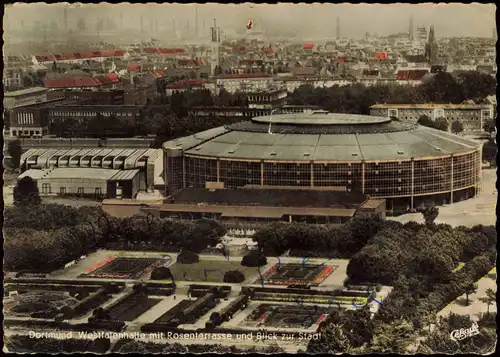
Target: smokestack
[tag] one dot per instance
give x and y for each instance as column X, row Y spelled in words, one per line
column 196, row 33
column 411, row 28
column 65, row 19
column 338, row 27
column 121, row 20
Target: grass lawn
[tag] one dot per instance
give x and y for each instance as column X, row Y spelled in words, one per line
column 170, row 314
column 124, row 312
column 208, row 270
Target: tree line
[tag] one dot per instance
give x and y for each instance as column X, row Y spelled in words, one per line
column 417, row 261
column 443, row 88
column 316, row 240
column 49, row 236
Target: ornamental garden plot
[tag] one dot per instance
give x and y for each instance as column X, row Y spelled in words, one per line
column 130, row 307
column 297, row 274
column 208, row 270
column 122, row 268
column 46, row 304
column 50, row 299
column 286, row 316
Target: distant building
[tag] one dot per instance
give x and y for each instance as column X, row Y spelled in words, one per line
column 25, row 111
column 267, row 99
column 12, row 78
column 24, row 97
column 79, row 57
column 245, row 112
column 188, row 85
column 244, row 82
column 472, row 116
column 31, row 120
column 82, row 80
column 99, row 97
column 128, row 113
column 421, row 34
column 411, row 76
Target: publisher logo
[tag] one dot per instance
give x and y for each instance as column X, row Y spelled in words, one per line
column 463, row 333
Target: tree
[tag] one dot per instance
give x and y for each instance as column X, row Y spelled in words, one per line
column 333, row 340
column 26, row 192
column 424, row 120
column 489, row 126
column 187, row 257
column 443, row 88
column 254, row 259
column 441, row 123
column 395, row 337
column 15, row 151
column 477, row 85
column 470, row 288
column 234, row 277
column 489, row 299
column 161, row 273
column 490, row 149
column 430, row 213
column 457, row 127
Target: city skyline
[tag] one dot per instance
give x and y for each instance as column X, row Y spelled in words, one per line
column 301, row 19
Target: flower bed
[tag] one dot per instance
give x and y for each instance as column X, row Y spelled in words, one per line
column 135, row 271
column 305, row 299
column 286, row 282
column 321, row 318
column 327, row 270
column 107, row 276
column 264, row 316
column 322, row 275
column 98, row 265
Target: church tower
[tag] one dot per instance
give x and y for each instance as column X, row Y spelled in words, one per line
column 431, row 48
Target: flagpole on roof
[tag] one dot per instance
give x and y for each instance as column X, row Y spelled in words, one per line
column 270, row 121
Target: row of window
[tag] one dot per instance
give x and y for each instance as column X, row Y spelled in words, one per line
column 46, row 189
column 90, row 114
column 25, row 118
column 441, row 112
column 26, row 133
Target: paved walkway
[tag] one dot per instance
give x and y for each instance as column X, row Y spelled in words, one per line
column 471, row 212
column 476, row 308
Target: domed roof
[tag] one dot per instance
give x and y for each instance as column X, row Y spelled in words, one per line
column 322, row 136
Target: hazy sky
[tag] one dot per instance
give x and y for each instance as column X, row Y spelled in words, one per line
column 309, row 19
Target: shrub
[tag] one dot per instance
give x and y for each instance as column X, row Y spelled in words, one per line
column 254, row 259
column 234, row 277
column 187, row 257
column 161, row 273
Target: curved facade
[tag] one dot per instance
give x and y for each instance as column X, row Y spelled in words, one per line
column 402, row 162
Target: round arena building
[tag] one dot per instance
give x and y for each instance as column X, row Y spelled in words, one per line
column 405, row 163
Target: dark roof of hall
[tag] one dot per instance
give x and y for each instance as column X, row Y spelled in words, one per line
column 275, row 197
column 321, row 136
